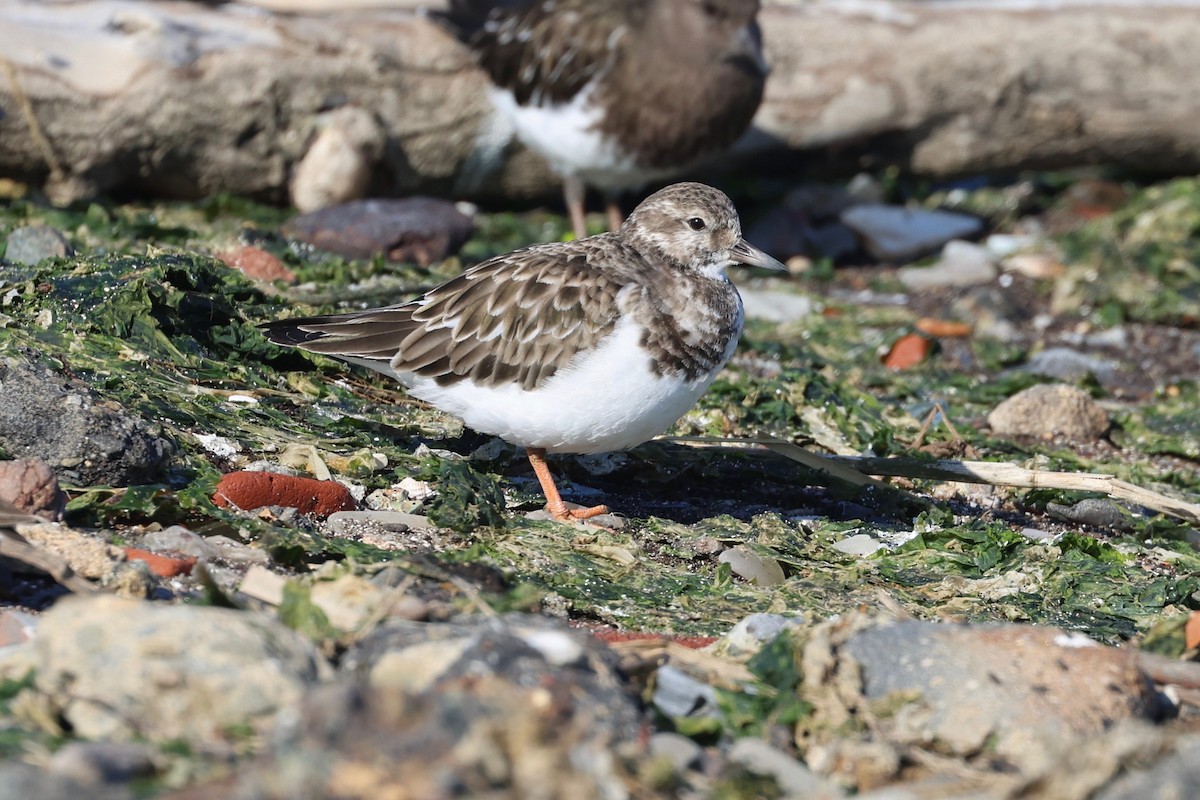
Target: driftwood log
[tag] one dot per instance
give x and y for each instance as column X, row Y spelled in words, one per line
column 177, row 99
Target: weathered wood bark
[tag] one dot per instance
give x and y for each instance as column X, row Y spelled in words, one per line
column 182, row 99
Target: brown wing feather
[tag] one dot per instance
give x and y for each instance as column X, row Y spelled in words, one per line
column 543, row 52
column 515, row 319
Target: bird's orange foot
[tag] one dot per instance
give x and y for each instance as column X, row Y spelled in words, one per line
column 565, row 514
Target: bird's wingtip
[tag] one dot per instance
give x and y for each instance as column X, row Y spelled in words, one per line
column 288, row 332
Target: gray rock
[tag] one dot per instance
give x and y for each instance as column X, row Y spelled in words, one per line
column 961, row 264
column 1008, row 688
column 237, row 553
column 1097, row 512
column 680, row 751
column 896, row 234
column 1116, row 337
column 777, row 306
column 178, row 539
column 87, row 442
column 677, row 694
column 1065, row 364
column 1050, row 410
column 121, row 670
column 752, row 632
column 342, row 522
column 792, row 777
column 1039, row 535
column 34, row 243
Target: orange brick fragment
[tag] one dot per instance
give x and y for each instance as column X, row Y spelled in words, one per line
column 1191, row 631
column 249, row 490
column 907, row 351
column 258, row 265
column 163, row 566
column 943, row 328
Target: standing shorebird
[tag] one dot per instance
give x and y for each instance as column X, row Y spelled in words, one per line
column 620, row 93
column 586, row 346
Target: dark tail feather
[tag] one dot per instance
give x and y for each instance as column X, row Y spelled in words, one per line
column 288, row 332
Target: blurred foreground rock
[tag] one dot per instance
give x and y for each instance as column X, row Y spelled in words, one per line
column 523, row 706
column 1009, row 689
column 120, row 670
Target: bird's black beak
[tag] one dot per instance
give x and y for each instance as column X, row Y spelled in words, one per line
column 745, row 253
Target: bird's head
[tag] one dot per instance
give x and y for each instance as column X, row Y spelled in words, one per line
column 692, row 227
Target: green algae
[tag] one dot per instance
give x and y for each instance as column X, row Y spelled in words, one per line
column 152, row 321
column 1141, row 262
column 776, row 698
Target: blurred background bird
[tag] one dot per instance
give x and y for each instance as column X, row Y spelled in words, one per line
column 615, row 95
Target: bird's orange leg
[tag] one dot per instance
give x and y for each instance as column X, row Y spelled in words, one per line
column 613, row 210
column 554, row 504
column 573, row 195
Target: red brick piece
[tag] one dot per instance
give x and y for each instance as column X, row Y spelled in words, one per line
column 163, row 566
column 257, row 265
column 248, row 490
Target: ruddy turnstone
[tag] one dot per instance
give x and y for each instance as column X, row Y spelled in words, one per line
column 617, row 94
column 586, row 346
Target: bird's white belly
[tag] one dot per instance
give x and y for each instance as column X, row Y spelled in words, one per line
column 607, row 400
column 568, row 137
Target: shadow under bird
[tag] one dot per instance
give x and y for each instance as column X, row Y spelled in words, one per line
column 587, row 346
column 617, row 94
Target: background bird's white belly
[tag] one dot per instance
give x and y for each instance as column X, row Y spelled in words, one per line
column 606, row 400
column 568, row 138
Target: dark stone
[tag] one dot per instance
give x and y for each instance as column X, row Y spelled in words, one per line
column 412, row 229
column 805, row 223
column 94, row 763
column 1094, row 511
column 86, row 441
column 35, row 243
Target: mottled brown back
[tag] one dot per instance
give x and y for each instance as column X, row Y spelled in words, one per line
column 517, row 318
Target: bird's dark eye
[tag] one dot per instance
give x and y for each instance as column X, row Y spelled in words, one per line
column 696, row 224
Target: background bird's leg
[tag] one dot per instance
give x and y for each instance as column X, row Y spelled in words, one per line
column 573, row 195
column 554, row 503
column 612, row 208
